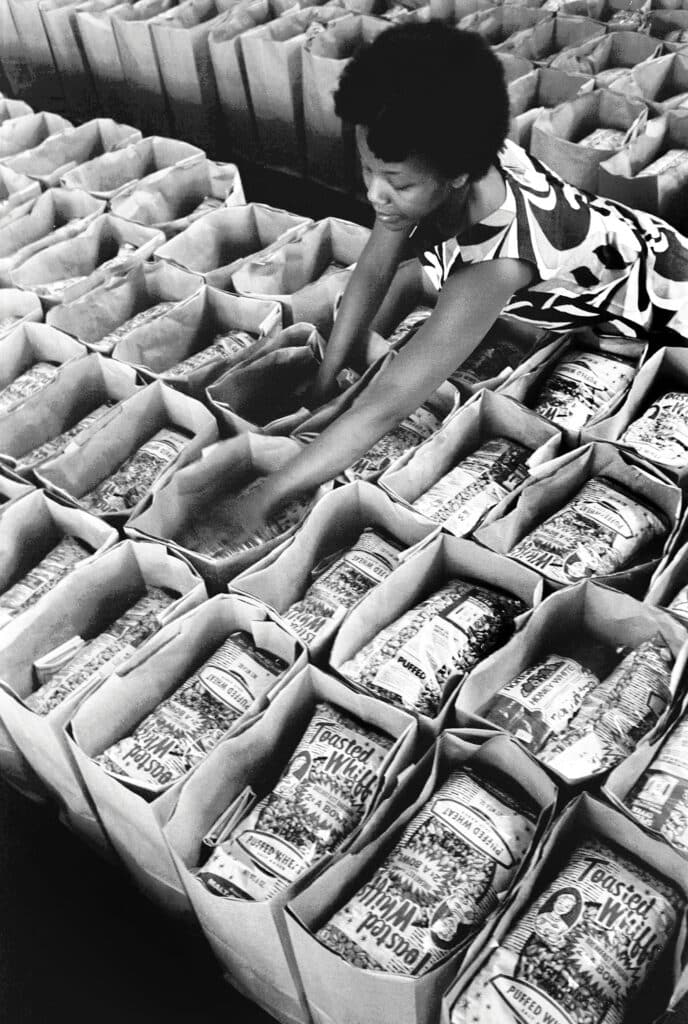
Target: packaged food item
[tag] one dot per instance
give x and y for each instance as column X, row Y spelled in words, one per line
column 604, row 138
column 137, row 474
column 464, row 495
column 583, row 950
column 497, row 352
column 661, row 433
column 26, row 384
column 614, row 716
column 627, row 21
column 344, row 579
column 581, row 385
column 408, row 434
column 56, row 445
column 145, row 316
column 320, row 798
column 413, row 660
column 179, row 733
column 670, row 160
column 60, row 560
column 659, row 800
column 540, row 702
column 100, row 656
column 224, row 347
column 601, row 530
column 404, row 331
column 453, row 862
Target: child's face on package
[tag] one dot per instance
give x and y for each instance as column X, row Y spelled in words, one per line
column 402, row 193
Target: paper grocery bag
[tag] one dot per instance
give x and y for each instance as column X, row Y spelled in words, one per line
column 56, row 216
column 106, row 246
column 670, row 25
column 621, row 176
column 215, row 245
column 81, row 388
column 97, row 38
column 544, row 40
column 21, row 133
column 145, row 94
column 95, row 318
column 18, row 193
column 249, row 937
column 114, row 710
column 48, row 161
column 107, row 175
column 173, row 198
column 541, row 88
column 499, row 23
column 14, row 65
column 330, row 146
column 555, row 134
column 32, row 343
column 16, row 308
column 12, row 487
column 617, row 15
column 661, row 83
column 607, row 58
column 97, row 454
column 80, row 605
column 44, row 86
column 9, row 109
column 60, row 25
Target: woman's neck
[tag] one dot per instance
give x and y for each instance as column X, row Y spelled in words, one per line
column 469, row 205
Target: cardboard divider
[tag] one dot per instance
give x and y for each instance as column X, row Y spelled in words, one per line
column 336, row 521
column 105, row 176
column 114, row 710
column 250, row 937
column 80, row 604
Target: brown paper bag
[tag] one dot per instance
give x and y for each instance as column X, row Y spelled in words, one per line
column 215, row 245
column 173, row 198
column 45, row 88
column 145, row 96
column 95, row 31
column 60, row 25
column 21, row 133
column 9, row 109
column 336, row 990
column 12, row 487
column 545, row 40
column 607, row 56
column 33, row 343
column 670, row 577
column 670, row 26
column 618, row 15
column 540, row 89
column 250, row 937
column 100, row 451
column 48, row 161
column 16, row 70
column 555, row 134
column 454, row 10
column 79, row 605
column 17, row 308
column 18, row 193
column 57, row 215
column 661, row 83
column 107, row 175
column 86, row 260
column 80, row 387
column 93, row 318
column 330, row 146
column 501, row 22
column 514, row 66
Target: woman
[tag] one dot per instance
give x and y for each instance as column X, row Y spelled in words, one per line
column 495, row 231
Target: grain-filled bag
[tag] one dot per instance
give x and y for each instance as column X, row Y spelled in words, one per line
column 21, row 133
column 18, row 193
column 112, row 603
column 661, row 83
column 305, row 272
column 144, row 91
column 82, row 393
column 479, row 455
column 10, row 109
column 330, row 146
column 106, row 175
column 17, row 308
column 30, row 357
column 652, row 172
column 416, row 636
column 61, row 28
column 349, row 542
column 420, row 884
column 215, row 246
column 595, row 931
column 592, row 673
column 608, row 58
column 68, row 269
column 595, row 512
column 94, row 26
column 198, row 339
column 196, row 646
column 51, row 159
column 146, row 291
column 541, row 89
column 368, row 750
column 112, row 468
column 193, row 512
column 272, row 59
column 173, row 198
column 58, row 214
column 608, row 120
column 45, row 88
column 544, row 40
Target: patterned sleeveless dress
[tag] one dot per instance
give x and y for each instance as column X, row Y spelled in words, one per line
column 599, row 263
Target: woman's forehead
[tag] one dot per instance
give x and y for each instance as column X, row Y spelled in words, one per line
column 411, row 166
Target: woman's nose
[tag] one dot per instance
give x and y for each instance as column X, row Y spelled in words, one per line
column 377, row 192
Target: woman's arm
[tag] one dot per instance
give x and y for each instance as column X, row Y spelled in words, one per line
column 364, row 294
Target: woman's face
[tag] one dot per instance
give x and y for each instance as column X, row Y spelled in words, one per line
column 403, row 193
column 564, row 903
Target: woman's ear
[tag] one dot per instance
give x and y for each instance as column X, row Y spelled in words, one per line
column 459, row 182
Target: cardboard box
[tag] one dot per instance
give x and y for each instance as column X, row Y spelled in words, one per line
column 78, row 604
column 488, row 416
column 541, row 89
column 55, row 216
column 15, row 303
column 107, row 175
column 85, row 259
column 250, row 938
column 18, row 193
column 216, row 245
column 132, row 692
column 99, row 452
column 336, row 991
column 283, row 576
column 20, row 133
column 425, row 568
